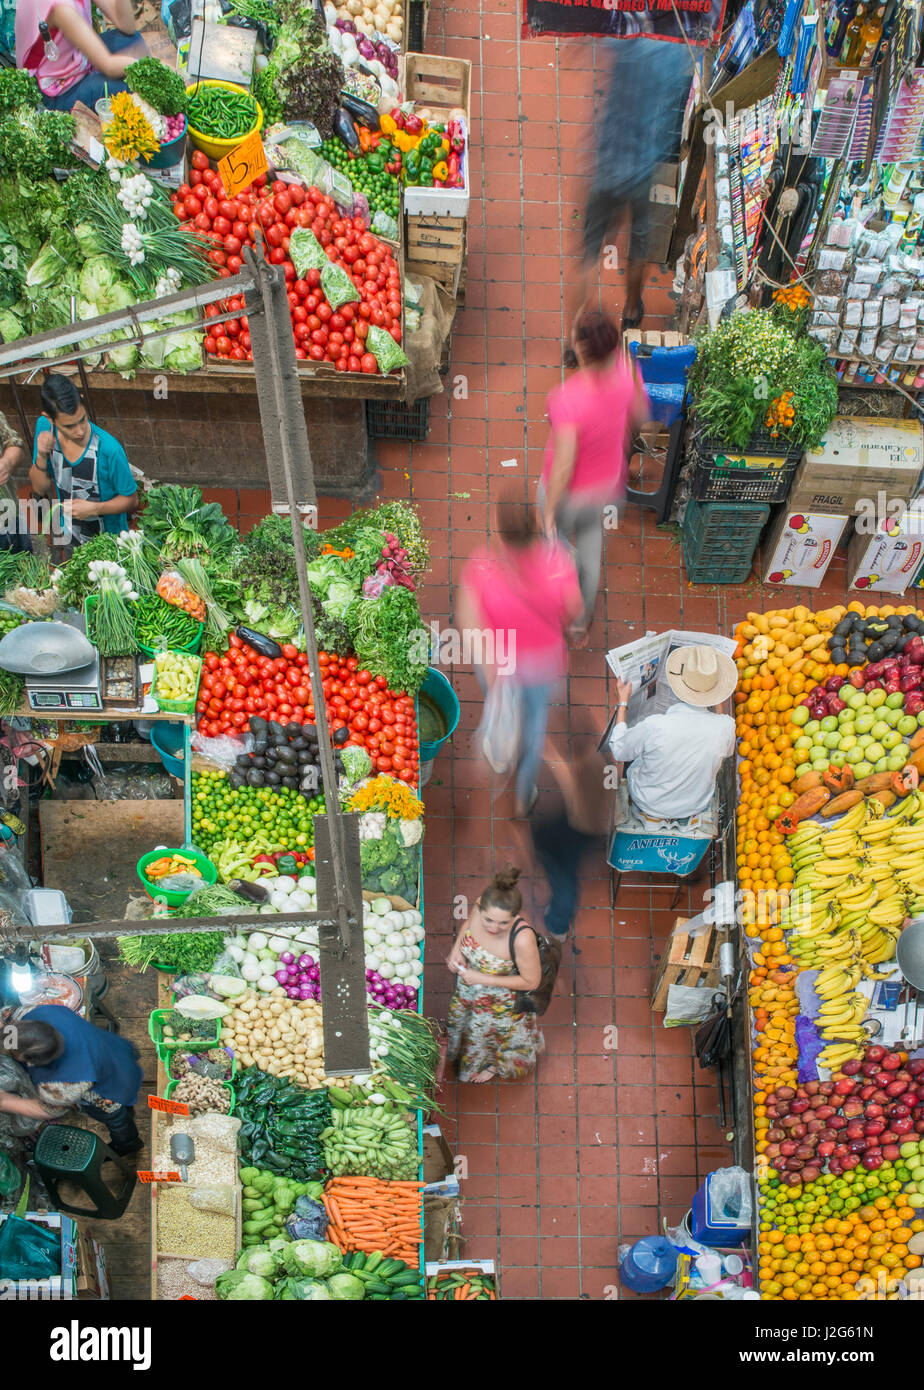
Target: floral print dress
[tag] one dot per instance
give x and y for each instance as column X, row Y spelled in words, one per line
column 485, row 1034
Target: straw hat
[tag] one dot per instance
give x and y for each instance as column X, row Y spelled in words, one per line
column 701, row 675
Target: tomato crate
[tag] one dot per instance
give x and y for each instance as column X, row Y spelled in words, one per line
column 398, row 420
column 719, row 540
column 435, row 246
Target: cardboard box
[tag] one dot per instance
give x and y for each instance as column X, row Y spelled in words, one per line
column 438, row 1164
column 61, row 1286
column 890, row 560
column 858, row 459
column 92, row 1280
column 800, row 546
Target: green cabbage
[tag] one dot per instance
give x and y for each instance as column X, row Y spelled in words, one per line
column 340, row 595
column 11, row 327
column 313, row 1257
column 239, row 1286
column 184, row 351
column 87, row 239
column 259, row 1259
column 356, row 762
column 346, row 1287
column 303, row 1291
column 48, row 267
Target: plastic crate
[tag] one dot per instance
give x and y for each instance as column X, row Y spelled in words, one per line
column 726, row 482
column 172, row 1085
column 164, row 1045
column 761, row 443
column 719, row 540
column 396, row 420
column 176, row 706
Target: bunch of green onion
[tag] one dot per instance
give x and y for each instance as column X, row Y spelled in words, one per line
column 139, row 559
column 217, row 621
column 167, row 244
column 113, row 624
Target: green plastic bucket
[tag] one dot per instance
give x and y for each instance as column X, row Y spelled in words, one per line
column 437, row 703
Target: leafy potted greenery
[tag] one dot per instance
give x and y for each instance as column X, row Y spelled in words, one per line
column 759, row 381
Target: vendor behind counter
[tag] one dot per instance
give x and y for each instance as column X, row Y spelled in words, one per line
column 56, row 42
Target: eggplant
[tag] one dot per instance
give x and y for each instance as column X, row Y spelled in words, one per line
column 252, row 892
column 343, row 128
column 258, row 640
column 360, row 110
column 292, row 730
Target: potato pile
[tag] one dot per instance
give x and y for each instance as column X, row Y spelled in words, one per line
column 279, row 1035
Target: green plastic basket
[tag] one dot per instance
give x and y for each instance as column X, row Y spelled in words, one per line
column 719, row 540
column 177, row 706
column 174, row 899
column 191, row 648
column 174, row 1050
column 172, row 1085
column 165, row 1046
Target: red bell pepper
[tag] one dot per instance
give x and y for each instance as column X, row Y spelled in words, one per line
column 413, row 124
column 397, row 116
column 456, row 137
column 455, row 179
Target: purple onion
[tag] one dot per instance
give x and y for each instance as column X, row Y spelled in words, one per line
column 305, row 961
column 287, row 958
column 282, row 976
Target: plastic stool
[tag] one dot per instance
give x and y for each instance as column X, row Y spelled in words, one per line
column 66, row 1151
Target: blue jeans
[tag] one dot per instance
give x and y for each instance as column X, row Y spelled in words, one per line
column 94, row 85
column 534, row 714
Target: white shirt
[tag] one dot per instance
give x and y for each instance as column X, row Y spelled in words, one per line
column 675, row 758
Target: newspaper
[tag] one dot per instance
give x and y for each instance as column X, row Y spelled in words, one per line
column 643, row 663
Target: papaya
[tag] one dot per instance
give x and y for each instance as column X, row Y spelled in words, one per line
column 839, row 779
column 917, row 740
column 905, row 780
column 916, row 760
column 886, row 799
column 810, row 803
column 786, row 823
column 875, row 782
column 839, row 804
column 807, row 782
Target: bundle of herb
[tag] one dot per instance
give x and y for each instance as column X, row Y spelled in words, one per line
column 35, row 142
column 158, row 85
column 184, row 953
column 18, row 89
column 178, row 521
column 383, row 632
column 74, row 582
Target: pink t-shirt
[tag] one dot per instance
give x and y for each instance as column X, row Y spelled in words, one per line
column 597, row 405
column 526, row 602
column 57, row 75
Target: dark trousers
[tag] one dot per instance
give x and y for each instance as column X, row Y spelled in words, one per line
column 560, row 849
column 604, row 209
column 123, row 1132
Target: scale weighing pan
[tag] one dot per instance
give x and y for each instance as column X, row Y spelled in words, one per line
column 45, row 649
column 910, row 953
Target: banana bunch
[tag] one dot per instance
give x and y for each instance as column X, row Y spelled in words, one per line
column 840, row 1019
column 834, row 1056
column 837, row 979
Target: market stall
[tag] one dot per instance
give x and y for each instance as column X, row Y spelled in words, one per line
column 830, row 867
column 283, row 1153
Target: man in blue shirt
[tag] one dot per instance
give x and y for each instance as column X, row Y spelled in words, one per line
column 80, row 465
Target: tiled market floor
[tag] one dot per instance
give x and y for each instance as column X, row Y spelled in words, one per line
column 605, row 1141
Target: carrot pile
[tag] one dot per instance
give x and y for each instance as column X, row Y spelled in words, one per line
column 172, row 589
column 369, row 1214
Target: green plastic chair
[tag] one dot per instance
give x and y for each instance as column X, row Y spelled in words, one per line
column 78, row 1155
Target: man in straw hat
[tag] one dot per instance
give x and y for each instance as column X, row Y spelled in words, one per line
column 675, row 757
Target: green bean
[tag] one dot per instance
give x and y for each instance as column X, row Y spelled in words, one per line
column 220, row 113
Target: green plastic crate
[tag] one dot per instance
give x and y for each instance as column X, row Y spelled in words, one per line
column 172, row 1085
column 176, row 706
column 175, row 1051
column 166, row 1045
column 719, row 540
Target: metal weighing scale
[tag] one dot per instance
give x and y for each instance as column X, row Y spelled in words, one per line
column 61, row 667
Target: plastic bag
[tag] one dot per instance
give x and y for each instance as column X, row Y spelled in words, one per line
column 223, row 751
column 28, row 1250
column 10, row 1176
column 499, row 730
column 730, row 1194
column 172, row 588
column 15, row 1080
column 192, row 984
column 338, row 287
column 219, row 1199
column 383, row 347
column 205, row 1272
column 306, row 251
column 687, row 1004
column 385, row 226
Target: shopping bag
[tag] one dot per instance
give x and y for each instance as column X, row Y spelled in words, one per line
column 500, row 726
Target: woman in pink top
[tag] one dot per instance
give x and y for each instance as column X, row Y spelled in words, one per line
column 593, row 416
column 521, row 596
column 87, row 65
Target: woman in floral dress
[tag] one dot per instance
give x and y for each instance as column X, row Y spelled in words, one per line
column 488, row 1039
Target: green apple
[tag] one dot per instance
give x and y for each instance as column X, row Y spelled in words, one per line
column 845, row 715
column 848, row 741
column 802, row 742
column 907, row 725
column 895, row 700
column 865, row 721
column 874, row 752
column 811, row 727
column 855, row 756
column 863, row 768
column 921, row 719
column 855, row 700
column 833, row 739
column 891, row 716
column 819, row 764
column 881, row 765
column 896, row 761
column 799, row 715
column 865, row 740
column 829, row 723
column 875, row 698
column 909, row 1148
column 917, row 1174
column 879, row 728
column 891, row 740
column 838, row 758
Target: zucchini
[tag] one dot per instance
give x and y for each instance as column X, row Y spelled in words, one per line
column 400, row 1281
column 374, row 1260
column 359, row 1261
column 374, row 1286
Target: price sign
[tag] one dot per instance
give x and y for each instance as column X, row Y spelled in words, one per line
column 244, row 164
column 170, row 1107
column 146, row 1175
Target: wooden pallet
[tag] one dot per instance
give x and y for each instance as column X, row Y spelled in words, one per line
column 692, row 961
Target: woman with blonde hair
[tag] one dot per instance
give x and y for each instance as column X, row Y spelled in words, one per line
column 494, row 957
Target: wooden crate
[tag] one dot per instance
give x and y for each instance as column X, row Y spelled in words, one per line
column 438, row 241
column 437, row 82
column 692, row 961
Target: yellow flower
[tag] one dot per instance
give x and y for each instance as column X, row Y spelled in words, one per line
column 383, row 793
column 129, row 135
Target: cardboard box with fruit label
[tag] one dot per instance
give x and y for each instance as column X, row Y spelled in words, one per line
column 889, row 560
column 862, row 464
column 800, row 547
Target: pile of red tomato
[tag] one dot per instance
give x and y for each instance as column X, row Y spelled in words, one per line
column 321, row 332
column 242, row 683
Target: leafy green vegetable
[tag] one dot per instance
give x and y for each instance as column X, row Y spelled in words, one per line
column 316, row 1258
column 356, row 762
column 186, row 953
column 382, row 632
column 73, row 578
column 259, row 1259
column 346, row 1287
column 239, row 1286
column 158, row 85
column 18, row 89
column 397, row 518
column 304, row 72
column 36, row 141
column 178, row 521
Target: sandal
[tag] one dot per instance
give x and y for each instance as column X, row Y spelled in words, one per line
column 634, row 320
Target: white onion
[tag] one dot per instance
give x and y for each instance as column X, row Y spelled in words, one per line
column 257, row 941
column 251, row 970
column 299, row 901
column 284, row 883
column 387, row 970
column 372, row 961
column 236, row 953
column 277, row 944
column 267, row 983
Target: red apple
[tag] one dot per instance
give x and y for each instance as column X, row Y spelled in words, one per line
column 856, row 678
column 852, row 1067
column 872, row 1159
column 788, row 1148
column 837, row 1122
column 849, row 1162
column 798, row 1131
column 857, row 1128
column 874, row 1111
column 826, row 1148
column 902, row 1124
column 891, row 1152
column 845, row 1087
column 874, row 1053
column 810, row 1174
column 805, row 1151
column 896, row 1088
column 799, row 1105
column 888, row 1136
column 874, row 1127
column 859, row 1146
column 851, row 1108
column 866, row 1092
column 916, row 1066
column 815, row 1127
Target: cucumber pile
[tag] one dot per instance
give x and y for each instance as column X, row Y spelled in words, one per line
column 386, row 1280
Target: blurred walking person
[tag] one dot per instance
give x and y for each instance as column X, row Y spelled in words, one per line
column 593, row 416
column 522, row 595
column 568, row 825
column 640, row 129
